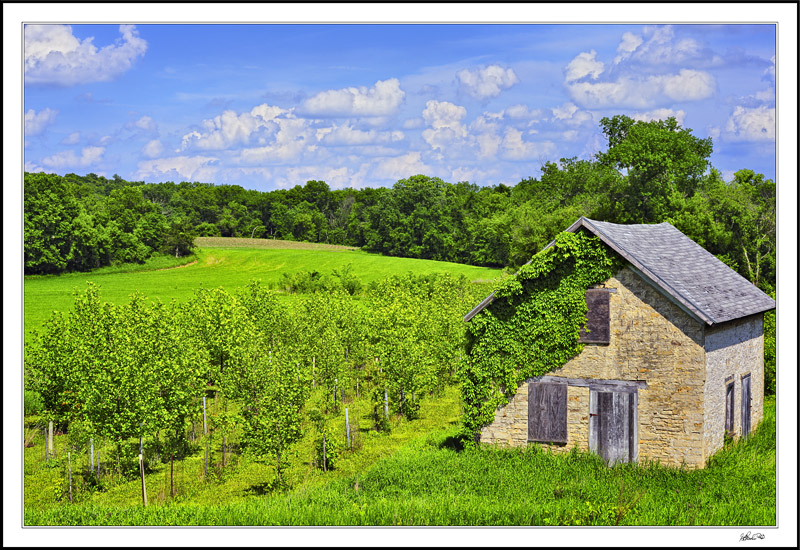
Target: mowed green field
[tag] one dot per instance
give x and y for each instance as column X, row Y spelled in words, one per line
column 228, row 263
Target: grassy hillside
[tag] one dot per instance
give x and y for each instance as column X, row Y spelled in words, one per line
column 229, row 263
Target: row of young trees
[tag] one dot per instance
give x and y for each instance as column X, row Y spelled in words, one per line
column 651, row 172
column 116, row 373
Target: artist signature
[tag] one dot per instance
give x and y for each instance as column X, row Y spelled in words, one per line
column 748, row 536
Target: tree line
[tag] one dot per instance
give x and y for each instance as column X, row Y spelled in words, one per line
column 651, row 172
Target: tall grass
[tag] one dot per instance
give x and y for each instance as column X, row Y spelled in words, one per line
column 430, row 482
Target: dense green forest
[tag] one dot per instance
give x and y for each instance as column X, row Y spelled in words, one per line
column 651, row 172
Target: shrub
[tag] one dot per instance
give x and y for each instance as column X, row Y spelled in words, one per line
column 207, row 229
column 33, row 403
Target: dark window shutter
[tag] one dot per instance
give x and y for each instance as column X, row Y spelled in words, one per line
column 597, row 318
column 547, row 412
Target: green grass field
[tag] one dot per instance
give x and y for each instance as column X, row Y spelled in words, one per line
column 229, row 263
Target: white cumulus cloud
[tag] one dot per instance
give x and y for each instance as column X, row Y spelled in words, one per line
column 72, row 139
column 293, row 137
column 345, row 134
column 404, row 166
column 229, row 128
column 444, row 119
column 661, row 47
column 570, row 114
column 66, row 159
column 53, row 55
column 585, row 64
column 686, row 85
column 756, row 124
column 486, row 82
column 515, row 148
column 35, row 123
column 145, row 123
column 153, row 148
column 628, row 45
column 384, row 98
column 187, row 168
column 661, row 114
column 521, row 112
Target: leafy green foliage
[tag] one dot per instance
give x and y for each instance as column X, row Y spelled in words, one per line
column 532, row 327
column 32, row 403
column 115, row 372
column 273, row 397
column 769, row 352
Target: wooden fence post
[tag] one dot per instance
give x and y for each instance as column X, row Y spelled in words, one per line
column 386, row 403
column 91, row 454
column 46, row 454
column 50, row 439
column 141, row 472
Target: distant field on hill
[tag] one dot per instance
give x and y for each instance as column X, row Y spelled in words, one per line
column 229, row 263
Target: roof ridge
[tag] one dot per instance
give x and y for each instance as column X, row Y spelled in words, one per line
column 630, row 257
column 679, row 267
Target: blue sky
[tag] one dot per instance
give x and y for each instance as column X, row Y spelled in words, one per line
column 270, row 106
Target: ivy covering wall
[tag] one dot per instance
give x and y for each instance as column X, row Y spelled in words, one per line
column 533, row 324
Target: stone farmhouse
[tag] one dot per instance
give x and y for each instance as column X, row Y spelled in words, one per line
column 674, row 358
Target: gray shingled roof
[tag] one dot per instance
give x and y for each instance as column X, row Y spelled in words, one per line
column 680, row 267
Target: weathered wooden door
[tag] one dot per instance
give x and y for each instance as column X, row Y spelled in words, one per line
column 745, row 405
column 729, row 409
column 612, row 425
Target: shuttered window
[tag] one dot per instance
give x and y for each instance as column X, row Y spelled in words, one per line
column 547, row 412
column 597, row 329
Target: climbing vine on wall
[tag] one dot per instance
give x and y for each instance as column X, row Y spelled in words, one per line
column 533, row 324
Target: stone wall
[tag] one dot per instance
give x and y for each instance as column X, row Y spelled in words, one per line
column 652, row 340
column 733, row 349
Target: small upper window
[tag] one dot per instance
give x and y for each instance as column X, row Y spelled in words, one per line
column 597, row 329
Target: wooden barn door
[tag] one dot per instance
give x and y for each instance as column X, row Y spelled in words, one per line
column 745, row 405
column 612, row 425
column 729, row 409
